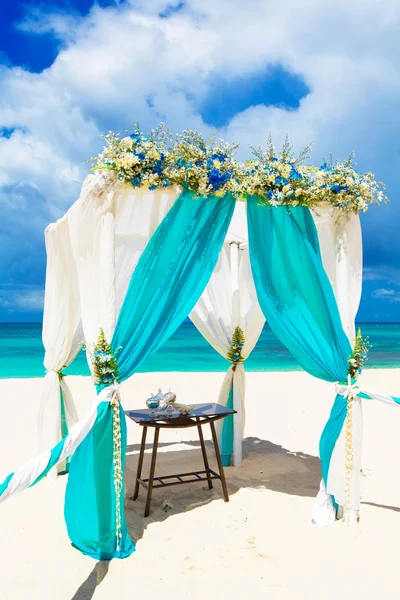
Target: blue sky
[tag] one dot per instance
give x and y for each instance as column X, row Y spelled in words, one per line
column 71, row 70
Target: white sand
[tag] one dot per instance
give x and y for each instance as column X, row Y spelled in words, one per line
column 259, row 546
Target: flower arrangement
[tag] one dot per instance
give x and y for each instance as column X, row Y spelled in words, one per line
column 360, row 354
column 104, row 361
column 210, row 167
column 341, row 185
column 235, row 351
column 206, row 168
column 137, row 159
column 279, row 178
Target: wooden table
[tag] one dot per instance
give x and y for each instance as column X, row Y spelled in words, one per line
column 199, row 416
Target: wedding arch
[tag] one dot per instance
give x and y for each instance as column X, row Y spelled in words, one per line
column 166, row 229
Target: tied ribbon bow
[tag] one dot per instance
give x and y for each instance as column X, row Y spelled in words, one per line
column 351, row 390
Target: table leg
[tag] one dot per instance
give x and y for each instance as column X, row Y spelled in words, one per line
column 220, row 467
column 205, row 459
column 152, row 470
column 140, row 463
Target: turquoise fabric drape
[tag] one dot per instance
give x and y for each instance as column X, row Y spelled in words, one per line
column 90, row 501
column 167, row 282
column 227, row 434
column 170, row 276
column 297, row 300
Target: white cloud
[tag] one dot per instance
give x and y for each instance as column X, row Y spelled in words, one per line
column 392, row 296
column 117, row 58
column 25, row 299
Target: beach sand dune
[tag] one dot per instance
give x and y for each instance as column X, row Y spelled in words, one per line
column 261, row 545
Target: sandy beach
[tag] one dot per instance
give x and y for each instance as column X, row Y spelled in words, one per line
column 261, row 545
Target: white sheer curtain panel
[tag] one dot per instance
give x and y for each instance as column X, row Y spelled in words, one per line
column 228, row 301
column 110, row 226
column 62, row 337
column 341, row 249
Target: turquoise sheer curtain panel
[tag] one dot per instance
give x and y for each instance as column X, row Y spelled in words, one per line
column 167, row 282
column 170, row 276
column 227, row 434
column 293, row 289
column 90, row 500
column 298, row 302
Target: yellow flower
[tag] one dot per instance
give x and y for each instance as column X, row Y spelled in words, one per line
column 298, row 193
column 286, row 189
column 271, row 178
column 217, row 163
column 219, row 193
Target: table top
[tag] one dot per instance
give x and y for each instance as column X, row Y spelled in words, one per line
column 200, row 413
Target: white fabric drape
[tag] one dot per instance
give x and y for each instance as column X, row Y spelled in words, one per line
column 91, row 254
column 62, row 335
column 341, row 250
column 110, row 226
column 228, row 301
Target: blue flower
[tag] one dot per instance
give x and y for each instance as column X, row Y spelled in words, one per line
column 166, row 183
column 295, row 174
column 135, row 181
column 158, row 167
column 141, row 155
column 336, row 189
column 189, row 165
column 209, row 163
column 152, row 187
column 221, row 156
column 180, row 162
column 199, row 163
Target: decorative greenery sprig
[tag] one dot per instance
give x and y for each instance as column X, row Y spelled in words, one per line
column 235, row 351
column 104, row 361
column 210, row 167
column 360, row 354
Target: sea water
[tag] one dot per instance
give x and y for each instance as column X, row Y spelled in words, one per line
column 21, row 351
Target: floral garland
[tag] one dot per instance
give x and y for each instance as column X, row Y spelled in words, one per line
column 356, row 363
column 210, row 167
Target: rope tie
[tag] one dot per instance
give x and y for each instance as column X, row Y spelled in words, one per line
column 350, row 392
column 117, row 462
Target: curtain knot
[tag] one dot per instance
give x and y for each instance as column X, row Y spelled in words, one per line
column 59, row 373
column 234, row 354
column 349, row 389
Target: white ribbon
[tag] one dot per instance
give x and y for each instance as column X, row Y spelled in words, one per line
column 28, row 473
column 351, row 389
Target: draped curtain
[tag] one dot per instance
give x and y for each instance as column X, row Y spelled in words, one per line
column 297, row 299
column 167, row 282
column 62, row 337
column 228, row 301
column 340, row 242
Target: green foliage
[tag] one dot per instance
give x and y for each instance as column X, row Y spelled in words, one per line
column 360, row 354
column 104, row 361
column 235, row 351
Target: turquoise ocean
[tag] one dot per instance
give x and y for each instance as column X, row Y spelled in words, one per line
column 21, row 351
